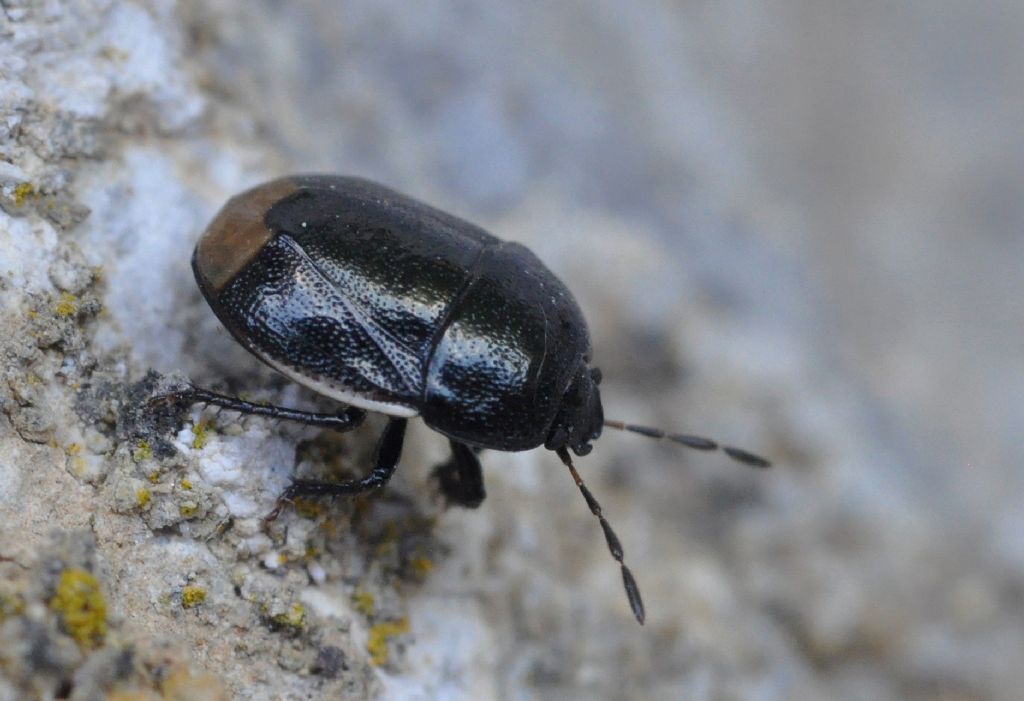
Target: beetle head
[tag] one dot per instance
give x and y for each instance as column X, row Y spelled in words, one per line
column 580, row 417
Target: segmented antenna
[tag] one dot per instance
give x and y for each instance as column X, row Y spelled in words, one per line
column 695, row 442
column 614, row 546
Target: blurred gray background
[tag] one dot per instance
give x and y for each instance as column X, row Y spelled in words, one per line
column 795, row 225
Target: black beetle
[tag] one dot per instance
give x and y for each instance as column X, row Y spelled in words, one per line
column 388, row 305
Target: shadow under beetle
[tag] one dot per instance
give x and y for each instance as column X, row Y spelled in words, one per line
column 388, row 305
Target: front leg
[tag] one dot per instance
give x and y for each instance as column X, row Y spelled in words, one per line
column 462, row 478
column 345, row 420
column 389, row 450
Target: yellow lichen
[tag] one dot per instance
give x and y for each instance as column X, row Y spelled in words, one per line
column 385, row 549
column 333, row 527
column 77, row 462
column 81, row 607
column 154, row 477
column 188, row 509
column 201, row 434
column 67, row 305
column 192, row 595
column 186, row 484
column 79, row 466
column 142, row 497
column 380, row 634
column 11, row 605
column 143, row 451
column 421, row 566
column 294, row 617
column 22, row 192
column 308, row 508
column 364, row 602
column 390, row 534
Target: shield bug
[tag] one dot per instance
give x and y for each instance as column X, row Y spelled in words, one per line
column 388, row 305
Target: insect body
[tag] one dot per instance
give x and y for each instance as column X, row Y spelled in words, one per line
column 388, row 305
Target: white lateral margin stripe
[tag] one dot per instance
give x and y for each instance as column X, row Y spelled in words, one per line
column 342, row 395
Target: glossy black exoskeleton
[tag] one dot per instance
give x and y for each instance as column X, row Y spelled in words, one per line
column 388, row 305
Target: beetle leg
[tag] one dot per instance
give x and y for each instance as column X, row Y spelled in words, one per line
column 462, row 479
column 345, row 420
column 389, row 450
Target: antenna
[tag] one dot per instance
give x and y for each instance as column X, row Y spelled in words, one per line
column 695, row 442
column 614, row 546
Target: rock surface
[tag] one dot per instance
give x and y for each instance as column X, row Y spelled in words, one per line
column 769, row 246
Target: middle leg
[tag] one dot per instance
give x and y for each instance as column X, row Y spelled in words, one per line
column 389, row 450
column 462, row 479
